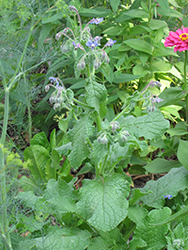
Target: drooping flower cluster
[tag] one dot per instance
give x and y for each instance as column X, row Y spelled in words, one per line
column 60, row 97
column 179, row 39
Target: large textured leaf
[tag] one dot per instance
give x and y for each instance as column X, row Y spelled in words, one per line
column 116, row 153
column 60, row 239
column 170, row 184
column 103, row 202
column 61, row 196
column 147, row 236
column 37, row 157
column 151, row 126
column 40, row 139
column 78, row 135
column 99, row 152
column 95, row 94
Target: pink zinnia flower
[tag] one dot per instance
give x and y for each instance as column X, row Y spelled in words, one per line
column 179, row 39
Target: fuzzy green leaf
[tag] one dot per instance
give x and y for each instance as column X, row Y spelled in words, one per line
column 99, row 152
column 37, row 156
column 170, row 184
column 78, row 136
column 40, row 139
column 151, row 126
column 103, row 202
column 150, row 237
column 61, row 239
column 95, row 94
column 61, row 196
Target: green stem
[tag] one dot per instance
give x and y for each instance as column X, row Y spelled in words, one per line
column 185, row 86
column 83, row 104
column 98, row 122
column 4, row 216
column 29, row 109
column 121, row 113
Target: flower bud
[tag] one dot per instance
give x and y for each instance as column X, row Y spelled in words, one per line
column 123, row 135
column 97, row 64
column 79, row 66
column 103, row 55
column 82, row 64
column 47, row 88
column 52, row 99
column 114, row 125
column 58, row 35
column 102, row 139
column 56, row 106
column 72, row 8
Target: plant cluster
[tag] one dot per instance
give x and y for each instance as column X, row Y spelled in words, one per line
column 115, row 92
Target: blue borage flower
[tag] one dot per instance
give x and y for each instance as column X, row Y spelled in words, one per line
column 157, row 100
column 96, row 20
column 169, row 196
column 54, row 80
column 110, row 43
column 93, row 43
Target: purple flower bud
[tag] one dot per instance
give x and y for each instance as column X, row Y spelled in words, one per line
column 169, row 196
column 96, row 20
column 72, row 8
column 104, row 55
column 151, row 108
column 155, row 83
column 114, row 125
column 82, row 64
column 110, row 43
column 97, row 64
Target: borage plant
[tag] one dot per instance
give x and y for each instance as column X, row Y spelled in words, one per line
column 104, row 213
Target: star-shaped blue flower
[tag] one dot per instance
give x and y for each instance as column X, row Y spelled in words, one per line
column 110, row 43
column 92, row 44
column 169, row 196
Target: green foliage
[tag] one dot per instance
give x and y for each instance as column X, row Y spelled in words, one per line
column 100, row 199
column 110, row 120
